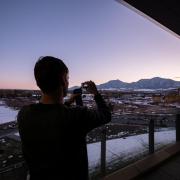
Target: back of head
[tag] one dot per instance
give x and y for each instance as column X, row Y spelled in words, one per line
column 49, row 72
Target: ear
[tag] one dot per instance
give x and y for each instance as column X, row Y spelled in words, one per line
column 64, row 79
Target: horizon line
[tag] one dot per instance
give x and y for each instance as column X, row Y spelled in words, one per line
column 37, row 89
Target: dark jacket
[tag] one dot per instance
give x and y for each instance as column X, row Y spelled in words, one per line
column 54, row 138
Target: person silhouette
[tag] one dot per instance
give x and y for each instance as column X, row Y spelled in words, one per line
column 53, row 134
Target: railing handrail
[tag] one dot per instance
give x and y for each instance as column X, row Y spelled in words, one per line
column 12, row 166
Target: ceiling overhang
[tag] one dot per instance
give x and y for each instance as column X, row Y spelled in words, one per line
column 164, row 13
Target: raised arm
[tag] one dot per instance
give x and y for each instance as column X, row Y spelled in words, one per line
column 91, row 119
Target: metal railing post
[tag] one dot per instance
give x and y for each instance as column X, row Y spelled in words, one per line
column 103, row 151
column 177, row 127
column 151, row 136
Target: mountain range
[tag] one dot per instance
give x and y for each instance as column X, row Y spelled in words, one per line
column 154, row 83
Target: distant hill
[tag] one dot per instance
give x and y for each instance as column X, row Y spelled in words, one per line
column 73, row 87
column 154, row 83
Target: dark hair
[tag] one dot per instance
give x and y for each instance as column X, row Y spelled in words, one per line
column 48, row 72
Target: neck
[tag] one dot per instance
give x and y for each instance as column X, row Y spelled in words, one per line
column 54, row 98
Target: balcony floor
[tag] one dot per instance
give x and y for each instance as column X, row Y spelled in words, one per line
column 162, row 165
column 169, row 170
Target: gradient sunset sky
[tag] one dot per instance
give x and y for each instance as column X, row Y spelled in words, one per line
column 99, row 40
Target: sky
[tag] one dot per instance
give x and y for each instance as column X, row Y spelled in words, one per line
column 99, row 40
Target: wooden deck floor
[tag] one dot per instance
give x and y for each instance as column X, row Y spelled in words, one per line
column 169, row 170
column 162, row 165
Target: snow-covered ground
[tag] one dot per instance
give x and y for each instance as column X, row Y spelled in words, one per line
column 120, row 150
column 1, row 103
column 7, row 114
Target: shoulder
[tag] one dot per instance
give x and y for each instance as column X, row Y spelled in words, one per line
column 75, row 110
column 25, row 110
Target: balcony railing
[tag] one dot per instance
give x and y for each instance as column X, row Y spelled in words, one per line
column 151, row 141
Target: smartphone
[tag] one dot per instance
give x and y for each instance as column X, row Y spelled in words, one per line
column 84, row 87
column 78, row 99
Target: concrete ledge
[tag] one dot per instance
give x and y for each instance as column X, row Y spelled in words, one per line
column 128, row 172
column 173, row 149
column 148, row 163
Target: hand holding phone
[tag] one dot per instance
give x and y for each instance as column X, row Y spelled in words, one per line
column 90, row 87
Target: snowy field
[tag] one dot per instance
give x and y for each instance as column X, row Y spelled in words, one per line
column 7, row 114
column 120, row 150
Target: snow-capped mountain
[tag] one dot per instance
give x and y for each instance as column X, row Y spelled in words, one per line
column 154, row 83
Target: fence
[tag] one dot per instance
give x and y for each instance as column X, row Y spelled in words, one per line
column 16, row 171
column 151, row 140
